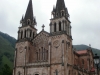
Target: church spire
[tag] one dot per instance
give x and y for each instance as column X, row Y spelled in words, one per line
column 29, row 11
column 60, row 10
column 60, row 5
column 29, row 18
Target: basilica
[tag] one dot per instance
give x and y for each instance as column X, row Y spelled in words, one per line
column 50, row 53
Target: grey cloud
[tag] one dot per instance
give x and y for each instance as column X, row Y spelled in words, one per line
column 84, row 15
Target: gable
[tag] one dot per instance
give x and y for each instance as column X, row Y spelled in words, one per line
column 41, row 40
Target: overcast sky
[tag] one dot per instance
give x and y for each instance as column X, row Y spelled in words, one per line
column 84, row 17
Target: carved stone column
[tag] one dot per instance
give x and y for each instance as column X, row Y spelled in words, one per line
column 57, row 28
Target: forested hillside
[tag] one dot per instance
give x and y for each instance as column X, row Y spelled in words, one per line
column 7, row 44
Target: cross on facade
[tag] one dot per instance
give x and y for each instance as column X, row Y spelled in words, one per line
column 43, row 27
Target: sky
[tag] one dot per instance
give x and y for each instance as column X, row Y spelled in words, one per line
column 84, row 17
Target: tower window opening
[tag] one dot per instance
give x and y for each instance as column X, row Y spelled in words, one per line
column 25, row 34
column 28, row 21
column 57, row 14
column 59, row 26
column 37, row 56
column 21, row 34
column 55, row 27
column 62, row 13
column 33, row 34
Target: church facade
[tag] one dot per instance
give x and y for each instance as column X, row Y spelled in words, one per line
column 51, row 53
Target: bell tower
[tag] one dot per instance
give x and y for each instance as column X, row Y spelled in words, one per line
column 27, row 31
column 26, row 34
column 59, row 22
column 60, row 40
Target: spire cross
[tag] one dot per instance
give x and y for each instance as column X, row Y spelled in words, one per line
column 43, row 27
column 89, row 45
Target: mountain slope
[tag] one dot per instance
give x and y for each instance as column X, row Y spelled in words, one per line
column 8, row 38
column 7, row 44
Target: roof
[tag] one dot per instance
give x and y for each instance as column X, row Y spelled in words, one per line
column 60, row 5
column 81, row 52
column 29, row 11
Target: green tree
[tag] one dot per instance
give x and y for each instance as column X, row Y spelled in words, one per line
column 6, row 70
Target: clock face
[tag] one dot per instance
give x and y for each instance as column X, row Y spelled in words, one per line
column 21, row 49
column 56, row 43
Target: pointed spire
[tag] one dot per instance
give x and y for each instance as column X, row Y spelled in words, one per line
column 29, row 11
column 60, row 5
column 60, row 9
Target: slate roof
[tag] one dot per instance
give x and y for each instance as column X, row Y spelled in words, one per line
column 29, row 11
column 60, row 5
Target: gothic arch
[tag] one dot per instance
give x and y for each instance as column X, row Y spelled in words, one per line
column 30, row 33
column 59, row 26
column 55, row 27
column 36, row 73
column 21, row 34
column 62, row 13
column 33, row 34
column 25, row 33
column 28, row 21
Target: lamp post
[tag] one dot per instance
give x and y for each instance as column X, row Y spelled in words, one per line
column 96, row 61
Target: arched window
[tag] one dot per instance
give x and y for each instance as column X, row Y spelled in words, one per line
column 21, row 34
column 54, row 27
column 25, row 34
column 56, row 14
column 33, row 34
column 28, row 21
column 42, row 53
column 62, row 13
column 69, row 72
column 37, row 55
column 19, row 73
column 47, row 55
column 59, row 26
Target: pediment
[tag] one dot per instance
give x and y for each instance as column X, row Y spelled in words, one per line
column 41, row 37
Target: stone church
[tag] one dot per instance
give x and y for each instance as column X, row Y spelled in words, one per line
column 50, row 53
